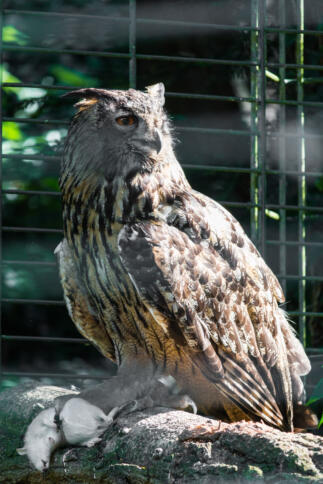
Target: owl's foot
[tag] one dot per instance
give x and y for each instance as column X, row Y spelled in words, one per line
column 114, row 399
column 132, row 382
column 163, row 395
column 182, row 402
column 177, row 402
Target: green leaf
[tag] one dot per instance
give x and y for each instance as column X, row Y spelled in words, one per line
column 72, row 77
column 21, row 92
column 7, row 77
column 11, row 131
column 321, row 421
column 11, row 34
column 272, row 76
column 272, row 214
column 313, row 400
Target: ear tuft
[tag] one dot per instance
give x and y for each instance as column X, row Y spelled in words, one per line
column 157, row 91
column 85, row 103
column 87, row 93
column 87, row 97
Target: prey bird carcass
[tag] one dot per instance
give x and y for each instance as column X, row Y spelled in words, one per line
column 162, row 279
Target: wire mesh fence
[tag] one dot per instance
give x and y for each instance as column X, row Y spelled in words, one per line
column 245, row 96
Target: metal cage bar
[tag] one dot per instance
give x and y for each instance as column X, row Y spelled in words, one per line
column 282, row 145
column 202, row 97
column 1, row 62
column 176, row 23
column 254, row 142
column 302, row 179
column 262, row 124
column 132, row 44
column 258, row 123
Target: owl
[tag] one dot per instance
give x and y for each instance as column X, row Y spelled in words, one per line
column 162, row 279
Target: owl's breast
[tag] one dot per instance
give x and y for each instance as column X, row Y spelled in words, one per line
column 113, row 295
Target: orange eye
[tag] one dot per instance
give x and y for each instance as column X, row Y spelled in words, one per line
column 126, row 120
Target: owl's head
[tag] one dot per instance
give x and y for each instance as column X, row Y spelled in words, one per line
column 116, row 131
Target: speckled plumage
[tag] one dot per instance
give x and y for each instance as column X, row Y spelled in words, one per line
column 155, row 271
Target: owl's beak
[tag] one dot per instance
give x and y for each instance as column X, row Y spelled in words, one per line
column 151, row 141
column 156, row 142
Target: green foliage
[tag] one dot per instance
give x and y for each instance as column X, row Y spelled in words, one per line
column 272, row 214
column 7, row 77
column 321, row 421
column 12, row 35
column 22, row 93
column 11, row 131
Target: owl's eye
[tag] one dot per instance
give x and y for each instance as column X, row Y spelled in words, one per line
column 128, row 120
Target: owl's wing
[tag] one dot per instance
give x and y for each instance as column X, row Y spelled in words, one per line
column 228, row 238
column 226, row 312
column 78, row 304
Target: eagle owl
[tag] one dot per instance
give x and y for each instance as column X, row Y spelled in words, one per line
column 162, row 279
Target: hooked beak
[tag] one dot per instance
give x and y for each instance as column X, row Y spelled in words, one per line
column 149, row 143
column 157, row 142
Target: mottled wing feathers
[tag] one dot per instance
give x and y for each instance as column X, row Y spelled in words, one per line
column 195, row 287
column 78, row 304
column 210, row 225
column 213, row 222
column 280, row 349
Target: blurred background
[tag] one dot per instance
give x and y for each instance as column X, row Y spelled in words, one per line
column 244, row 84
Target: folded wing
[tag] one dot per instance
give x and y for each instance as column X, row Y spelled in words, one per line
column 207, row 278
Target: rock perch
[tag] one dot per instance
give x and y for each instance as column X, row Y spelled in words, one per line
column 159, row 446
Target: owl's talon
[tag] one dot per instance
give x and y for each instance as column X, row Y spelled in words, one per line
column 190, row 404
column 183, row 402
column 124, row 409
